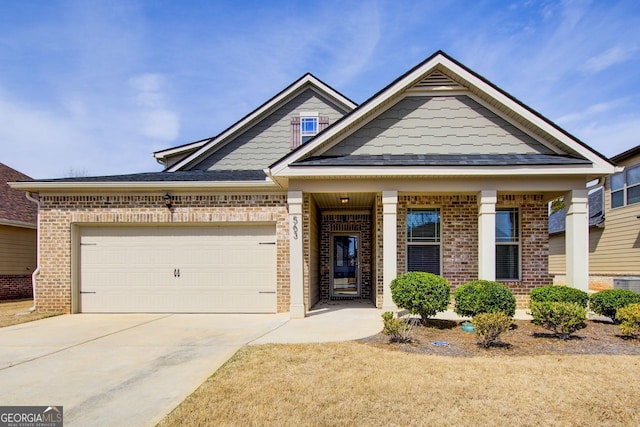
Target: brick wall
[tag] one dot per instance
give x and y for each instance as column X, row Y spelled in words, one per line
column 15, row 286
column 378, row 252
column 534, row 244
column 459, row 234
column 359, row 224
column 58, row 213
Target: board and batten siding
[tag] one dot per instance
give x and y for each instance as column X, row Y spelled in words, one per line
column 437, row 125
column 613, row 250
column 270, row 139
column 17, row 250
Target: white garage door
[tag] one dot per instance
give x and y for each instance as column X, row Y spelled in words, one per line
column 213, row 269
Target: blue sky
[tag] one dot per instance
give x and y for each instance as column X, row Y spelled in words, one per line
column 94, row 87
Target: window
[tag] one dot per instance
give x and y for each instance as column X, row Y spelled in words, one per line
column 507, row 244
column 625, row 187
column 423, row 240
column 308, row 128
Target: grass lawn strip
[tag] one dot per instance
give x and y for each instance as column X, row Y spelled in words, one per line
column 15, row 312
column 354, row 383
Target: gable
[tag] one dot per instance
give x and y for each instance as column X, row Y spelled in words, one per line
column 454, row 124
column 269, row 139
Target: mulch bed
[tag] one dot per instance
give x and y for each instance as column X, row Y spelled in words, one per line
column 523, row 339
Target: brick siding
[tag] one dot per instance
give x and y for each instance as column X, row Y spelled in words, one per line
column 59, row 213
column 13, row 286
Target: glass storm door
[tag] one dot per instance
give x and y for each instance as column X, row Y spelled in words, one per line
column 346, row 266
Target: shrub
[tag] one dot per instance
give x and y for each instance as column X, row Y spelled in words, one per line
column 398, row 329
column 608, row 302
column 421, row 293
column 563, row 318
column 559, row 294
column 629, row 318
column 483, row 296
column 489, row 326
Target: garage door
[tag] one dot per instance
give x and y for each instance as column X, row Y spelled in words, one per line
column 213, row 269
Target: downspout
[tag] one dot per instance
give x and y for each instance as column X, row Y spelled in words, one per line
column 36, row 272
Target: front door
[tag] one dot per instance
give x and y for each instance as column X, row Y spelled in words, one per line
column 345, row 277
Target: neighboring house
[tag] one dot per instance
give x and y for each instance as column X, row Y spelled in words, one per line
column 614, row 233
column 310, row 197
column 18, row 237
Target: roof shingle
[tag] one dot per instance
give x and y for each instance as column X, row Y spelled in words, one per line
column 14, row 206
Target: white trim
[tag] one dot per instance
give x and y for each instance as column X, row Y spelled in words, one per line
column 487, row 200
column 306, row 81
column 389, row 246
column 21, row 224
column 600, row 166
column 141, row 186
column 163, row 154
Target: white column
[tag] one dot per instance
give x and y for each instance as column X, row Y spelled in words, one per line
column 487, row 234
column 577, row 239
column 297, row 309
column 389, row 246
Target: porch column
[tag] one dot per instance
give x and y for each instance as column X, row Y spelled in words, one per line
column 297, row 309
column 577, row 239
column 389, row 246
column 487, row 234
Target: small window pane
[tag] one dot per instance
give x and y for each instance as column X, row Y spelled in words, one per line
column 507, row 262
column 633, row 195
column 633, row 176
column 617, row 198
column 507, row 229
column 423, row 258
column 423, row 225
column 309, row 125
column 617, row 181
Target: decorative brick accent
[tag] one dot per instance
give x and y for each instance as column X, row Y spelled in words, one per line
column 359, row 224
column 14, row 286
column 377, row 250
column 59, row 213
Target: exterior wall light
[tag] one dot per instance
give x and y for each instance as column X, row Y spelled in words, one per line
column 344, row 200
column 168, row 200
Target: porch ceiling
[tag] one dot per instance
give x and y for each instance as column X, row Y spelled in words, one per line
column 333, row 200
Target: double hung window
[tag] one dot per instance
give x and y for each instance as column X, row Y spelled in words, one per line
column 423, row 240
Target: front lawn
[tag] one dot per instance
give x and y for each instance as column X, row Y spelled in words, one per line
column 14, row 312
column 356, row 383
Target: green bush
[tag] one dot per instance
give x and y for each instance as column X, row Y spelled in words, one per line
column 608, row 302
column 421, row 293
column 489, row 326
column 563, row 318
column 629, row 318
column 483, row 296
column 398, row 329
column 559, row 294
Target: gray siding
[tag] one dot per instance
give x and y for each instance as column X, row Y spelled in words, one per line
column 269, row 140
column 437, row 125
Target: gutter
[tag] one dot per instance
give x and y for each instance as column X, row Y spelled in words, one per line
column 36, row 272
column 141, row 185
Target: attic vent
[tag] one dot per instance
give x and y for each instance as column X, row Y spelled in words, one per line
column 437, row 81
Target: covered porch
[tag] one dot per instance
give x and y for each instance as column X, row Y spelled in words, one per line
column 350, row 245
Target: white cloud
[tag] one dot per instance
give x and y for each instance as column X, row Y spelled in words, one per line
column 611, row 137
column 593, row 110
column 156, row 120
column 608, row 58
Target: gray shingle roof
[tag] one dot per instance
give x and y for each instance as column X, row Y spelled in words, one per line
column 557, row 220
column 443, row 160
column 14, row 206
column 195, row 175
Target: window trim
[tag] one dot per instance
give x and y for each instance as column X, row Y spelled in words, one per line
column 518, row 243
column 309, row 115
column 419, row 243
column 624, row 189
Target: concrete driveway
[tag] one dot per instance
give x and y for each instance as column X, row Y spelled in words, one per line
column 119, row 369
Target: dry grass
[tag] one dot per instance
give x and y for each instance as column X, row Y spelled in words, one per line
column 14, row 312
column 357, row 384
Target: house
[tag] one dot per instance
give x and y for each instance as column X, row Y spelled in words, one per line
column 614, row 232
column 17, row 237
column 311, row 197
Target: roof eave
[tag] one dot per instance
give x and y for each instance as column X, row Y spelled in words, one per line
column 40, row 186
